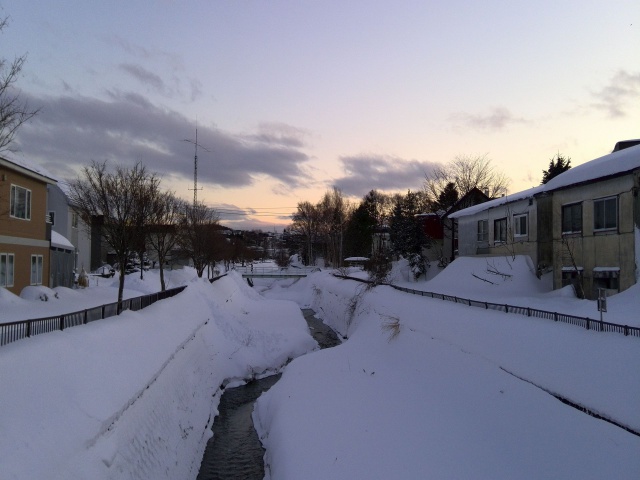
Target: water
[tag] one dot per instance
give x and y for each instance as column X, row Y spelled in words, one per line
column 235, row 451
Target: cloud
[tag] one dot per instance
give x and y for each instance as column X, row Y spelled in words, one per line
column 144, row 76
column 498, row 119
column 621, row 94
column 126, row 128
column 381, row 172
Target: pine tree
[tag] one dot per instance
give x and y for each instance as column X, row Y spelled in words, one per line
column 557, row 165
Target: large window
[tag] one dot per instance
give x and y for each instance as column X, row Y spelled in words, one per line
column 7, row 262
column 500, row 230
column 36, row 269
column 605, row 213
column 520, row 225
column 572, row 218
column 20, row 202
column 74, row 220
column 483, row 230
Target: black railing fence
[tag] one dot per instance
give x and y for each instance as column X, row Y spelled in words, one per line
column 10, row 332
column 585, row 322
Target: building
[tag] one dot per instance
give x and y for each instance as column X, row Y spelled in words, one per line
column 70, row 241
column 24, row 232
column 583, row 224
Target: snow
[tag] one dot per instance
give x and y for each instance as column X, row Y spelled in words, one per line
column 420, row 388
column 134, row 396
column 60, row 241
column 460, row 392
column 529, row 193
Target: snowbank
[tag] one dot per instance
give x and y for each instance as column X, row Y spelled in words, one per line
column 134, row 396
column 430, row 389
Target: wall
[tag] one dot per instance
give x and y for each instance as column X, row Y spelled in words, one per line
column 21, row 237
column 591, row 249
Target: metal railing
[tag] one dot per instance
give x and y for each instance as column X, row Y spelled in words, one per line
column 585, row 322
column 10, row 332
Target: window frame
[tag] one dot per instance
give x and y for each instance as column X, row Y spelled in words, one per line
column 497, row 222
column 7, row 269
column 563, row 216
column 482, row 235
column 37, row 261
column 74, row 220
column 604, row 201
column 13, row 202
column 516, row 224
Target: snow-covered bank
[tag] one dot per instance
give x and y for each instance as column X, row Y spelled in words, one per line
column 134, row 396
column 459, row 392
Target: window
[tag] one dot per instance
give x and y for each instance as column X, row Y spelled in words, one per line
column 500, row 230
column 52, row 218
column 7, row 262
column 20, row 202
column 36, row 269
column 605, row 213
column 572, row 218
column 520, row 225
column 607, row 278
column 483, row 230
column 74, row 220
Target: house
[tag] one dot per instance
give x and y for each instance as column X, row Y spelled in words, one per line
column 70, row 241
column 24, row 232
column 508, row 225
column 596, row 221
column 583, row 224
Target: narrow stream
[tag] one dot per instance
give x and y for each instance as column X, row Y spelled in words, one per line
column 235, row 451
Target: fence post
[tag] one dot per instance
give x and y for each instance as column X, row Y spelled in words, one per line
column 61, row 322
column 506, row 308
column 601, row 326
column 86, row 317
column 588, row 324
column 555, row 316
column 626, row 330
column 29, row 328
column 102, row 313
column 486, row 306
column 528, row 311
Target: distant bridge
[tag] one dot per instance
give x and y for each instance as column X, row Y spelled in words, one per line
column 275, row 272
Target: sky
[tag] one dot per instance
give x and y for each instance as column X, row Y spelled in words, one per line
column 290, row 99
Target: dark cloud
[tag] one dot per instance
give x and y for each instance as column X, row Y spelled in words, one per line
column 621, row 94
column 498, row 119
column 71, row 131
column 380, row 172
column 144, row 76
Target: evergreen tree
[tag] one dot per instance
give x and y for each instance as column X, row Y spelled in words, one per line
column 557, row 165
column 447, row 197
column 407, row 235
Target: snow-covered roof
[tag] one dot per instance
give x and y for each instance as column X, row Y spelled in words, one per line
column 27, row 167
column 481, row 207
column 60, row 241
column 615, row 163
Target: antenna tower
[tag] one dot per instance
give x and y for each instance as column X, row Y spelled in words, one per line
column 195, row 167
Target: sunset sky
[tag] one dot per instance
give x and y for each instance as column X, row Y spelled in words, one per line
column 291, row 98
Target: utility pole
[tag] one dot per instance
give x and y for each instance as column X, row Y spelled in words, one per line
column 195, row 167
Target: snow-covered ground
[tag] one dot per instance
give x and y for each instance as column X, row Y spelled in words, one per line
column 431, row 389
column 134, row 396
column 421, row 389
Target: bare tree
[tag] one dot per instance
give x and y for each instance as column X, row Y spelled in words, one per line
column 333, row 213
column 465, row 173
column 305, row 224
column 110, row 197
column 13, row 111
column 198, row 227
column 163, row 222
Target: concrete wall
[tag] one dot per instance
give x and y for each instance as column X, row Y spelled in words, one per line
column 468, row 244
column 590, row 249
